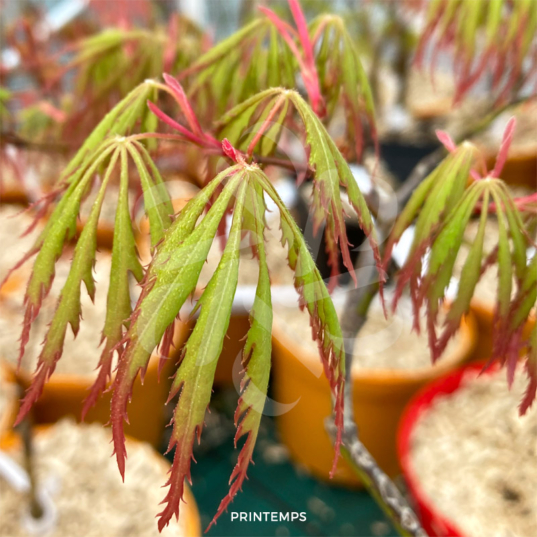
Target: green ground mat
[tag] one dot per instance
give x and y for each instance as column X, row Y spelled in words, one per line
column 275, row 484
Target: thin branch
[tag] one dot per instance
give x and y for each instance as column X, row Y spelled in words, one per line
column 378, row 484
column 25, row 429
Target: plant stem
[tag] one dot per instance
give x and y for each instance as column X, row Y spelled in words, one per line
column 377, row 483
column 26, row 432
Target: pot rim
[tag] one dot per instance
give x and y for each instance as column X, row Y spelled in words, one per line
column 418, row 406
column 8, row 417
column 67, row 382
column 189, row 505
column 461, row 351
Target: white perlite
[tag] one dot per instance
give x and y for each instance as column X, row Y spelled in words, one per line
column 382, row 344
column 90, row 497
column 476, row 458
column 81, row 355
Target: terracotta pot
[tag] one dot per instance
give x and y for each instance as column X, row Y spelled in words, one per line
column 9, row 388
column 15, row 194
column 189, row 511
column 379, row 399
column 105, row 234
column 484, row 316
column 520, row 167
column 434, row 523
column 63, row 395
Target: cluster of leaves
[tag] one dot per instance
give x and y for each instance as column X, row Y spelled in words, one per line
column 254, row 118
column 105, row 151
column 507, row 53
column 83, row 80
column 180, row 250
column 173, row 276
column 269, row 53
column 442, row 207
column 262, row 118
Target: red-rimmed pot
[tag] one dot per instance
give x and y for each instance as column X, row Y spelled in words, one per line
column 433, row 521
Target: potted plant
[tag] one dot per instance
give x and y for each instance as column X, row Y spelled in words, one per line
column 241, row 123
column 50, row 487
column 461, row 420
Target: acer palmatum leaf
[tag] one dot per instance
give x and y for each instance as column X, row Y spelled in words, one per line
column 454, row 25
column 512, row 334
column 314, row 296
column 331, row 171
column 68, row 310
column 343, row 79
column 60, row 228
column 256, row 356
column 118, row 307
column 194, row 379
column 172, row 277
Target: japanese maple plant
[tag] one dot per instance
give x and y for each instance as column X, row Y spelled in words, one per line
column 235, row 103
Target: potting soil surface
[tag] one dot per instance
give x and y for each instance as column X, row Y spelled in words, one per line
column 275, row 485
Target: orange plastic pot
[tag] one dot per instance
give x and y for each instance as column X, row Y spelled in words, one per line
column 14, row 194
column 7, row 383
column 105, row 233
column 484, row 316
column 520, row 167
column 232, row 349
column 379, row 399
column 189, row 511
column 63, row 395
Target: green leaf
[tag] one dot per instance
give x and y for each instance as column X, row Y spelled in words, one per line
column 171, row 278
column 227, row 46
column 471, row 270
column 331, row 169
column 157, row 202
column 68, row 310
column 432, row 200
column 118, row 306
column 119, row 120
column 505, row 270
column 256, row 356
column 194, row 379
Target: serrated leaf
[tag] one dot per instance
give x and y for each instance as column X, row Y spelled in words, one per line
column 194, row 379
column 256, row 357
column 438, row 193
column 157, row 201
column 120, row 119
column 68, row 310
column 171, row 278
column 315, row 297
column 60, row 228
column 118, row 306
column 331, row 170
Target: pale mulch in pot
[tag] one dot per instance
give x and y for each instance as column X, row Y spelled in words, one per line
column 382, row 344
column 74, row 461
column 81, row 354
column 476, row 459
